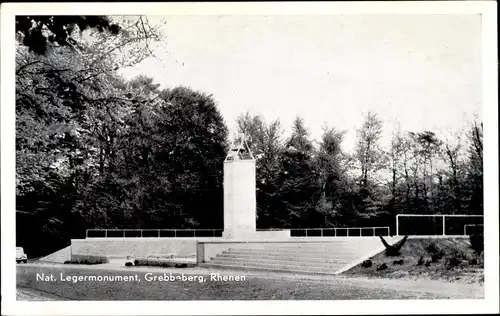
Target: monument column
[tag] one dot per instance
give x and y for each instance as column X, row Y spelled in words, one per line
column 240, row 203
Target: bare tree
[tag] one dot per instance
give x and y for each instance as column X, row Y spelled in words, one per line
column 395, row 156
column 475, row 170
column 452, row 148
column 368, row 152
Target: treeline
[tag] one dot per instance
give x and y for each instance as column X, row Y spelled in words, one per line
column 302, row 184
column 96, row 151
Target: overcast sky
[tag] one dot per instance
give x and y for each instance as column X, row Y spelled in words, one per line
column 422, row 70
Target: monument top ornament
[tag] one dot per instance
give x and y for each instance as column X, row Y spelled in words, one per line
column 239, row 149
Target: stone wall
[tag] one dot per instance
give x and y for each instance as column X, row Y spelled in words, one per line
column 136, row 247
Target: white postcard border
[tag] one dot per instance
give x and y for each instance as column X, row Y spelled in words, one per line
column 489, row 304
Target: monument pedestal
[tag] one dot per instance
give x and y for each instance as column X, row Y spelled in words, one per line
column 239, row 199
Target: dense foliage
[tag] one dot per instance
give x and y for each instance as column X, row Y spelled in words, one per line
column 96, row 151
column 39, row 32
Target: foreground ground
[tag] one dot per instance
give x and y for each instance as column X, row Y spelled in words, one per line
column 469, row 267
column 255, row 286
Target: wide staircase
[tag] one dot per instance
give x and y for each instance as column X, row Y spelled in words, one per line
column 59, row 256
column 330, row 257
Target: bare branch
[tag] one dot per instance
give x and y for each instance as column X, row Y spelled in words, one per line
column 27, row 65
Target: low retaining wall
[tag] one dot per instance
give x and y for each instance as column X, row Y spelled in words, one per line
column 273, row 234
column 59, row 256
column 203, row 247
column 141, row 247
column 259, row 235
column 136, row 247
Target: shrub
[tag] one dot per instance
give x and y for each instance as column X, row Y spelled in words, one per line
column 432, row 249
column 161, row 256
column 161, row 263
column 87, row 259
column 382, row 267
column 477, row 243
column 435, row 252
column 436, row 257
column 455, row 260
column 367, row 263
column 128, row 264
column 400, row 262
column 420, row 261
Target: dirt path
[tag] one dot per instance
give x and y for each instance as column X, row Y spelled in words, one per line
column 26, row 294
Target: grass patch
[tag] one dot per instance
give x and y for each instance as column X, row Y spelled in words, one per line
column 450, row 259
column 252, row 288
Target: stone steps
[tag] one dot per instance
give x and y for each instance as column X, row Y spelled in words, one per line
column 251, row 261
column 291, row 252
column 294, row 246
column 270, row 268
column 330, row 257
column 281, row 265
column 270, row 255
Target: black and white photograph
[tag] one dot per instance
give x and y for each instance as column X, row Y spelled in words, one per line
column 277, row 157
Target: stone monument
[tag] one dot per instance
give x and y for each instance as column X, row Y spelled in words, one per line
column 240, row 202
